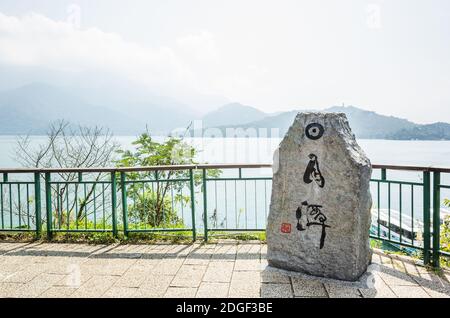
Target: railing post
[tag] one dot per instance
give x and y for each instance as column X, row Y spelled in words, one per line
column 114, row 203
column 123, row 186
column 436, row 217
column 383, row 174
column 205, row 206
column 5, row 179
column 1, row 205
column 37, row 202
column 192, row 191
column 426, row 217
column 48, row 204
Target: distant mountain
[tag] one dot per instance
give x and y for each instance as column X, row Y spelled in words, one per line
column 102, row 87
column 364, row 124
column 30, row 109
column 232, row 114
column 436, row 131
column 370, row 125
column 281, row 122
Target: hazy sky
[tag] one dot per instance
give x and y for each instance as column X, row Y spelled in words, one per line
column 392, row 56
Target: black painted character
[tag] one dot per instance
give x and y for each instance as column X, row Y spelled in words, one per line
column 298, row 215
column 314, row 216
column 314, row 131
column 312, row 172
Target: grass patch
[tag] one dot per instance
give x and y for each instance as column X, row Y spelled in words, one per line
column 20, row 237
column 91, row 238
column 242, row 236
column 132, row 238
column 445, row 261
column 180, row 237
column 438, row 271
column 376, row 243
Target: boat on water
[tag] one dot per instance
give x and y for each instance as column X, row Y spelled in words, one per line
column 402, row 228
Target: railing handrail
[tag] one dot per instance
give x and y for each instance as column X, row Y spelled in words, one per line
column 199, row 167
column 431, row 199
column 412, row 168
column 145, row 168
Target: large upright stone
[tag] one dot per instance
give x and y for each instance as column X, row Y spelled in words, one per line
column 320, row 208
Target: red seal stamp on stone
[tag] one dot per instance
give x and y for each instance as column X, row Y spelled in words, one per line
column 285, row 228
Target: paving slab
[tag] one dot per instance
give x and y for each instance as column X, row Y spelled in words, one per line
column 219, row 272
column 338, row 291
column 271, row 276
column 121, row 292
column 58, row 292
column 213, row 290
column 276, row 290
column 154, row 286
column 96, row 286
column 9, row 289
column 308, row 288
column 409, row 291
column 245, row 284
column 189, row 276
column 167, row 266
column 180, row 292
column 227, row 268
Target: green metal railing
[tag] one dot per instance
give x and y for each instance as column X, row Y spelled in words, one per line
column 426, row 206
column 187, row 200
column 18, row 212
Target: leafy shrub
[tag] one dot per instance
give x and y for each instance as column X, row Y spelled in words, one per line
column 154, row 206
column 149, row 209
column 445, row 235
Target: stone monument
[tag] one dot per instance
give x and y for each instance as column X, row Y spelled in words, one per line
column 320, row 207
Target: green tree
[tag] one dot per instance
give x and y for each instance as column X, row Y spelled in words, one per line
column 152, row 205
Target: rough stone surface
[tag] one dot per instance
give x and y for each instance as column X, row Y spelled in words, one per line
column 320, row 208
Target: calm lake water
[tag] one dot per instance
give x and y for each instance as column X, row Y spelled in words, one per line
column 260, row 150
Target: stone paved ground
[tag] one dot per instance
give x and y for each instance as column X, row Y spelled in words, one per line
column 224, row 269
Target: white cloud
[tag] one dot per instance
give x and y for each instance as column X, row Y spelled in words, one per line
column 201, row 46
column 194, row 64
column 35, row 40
